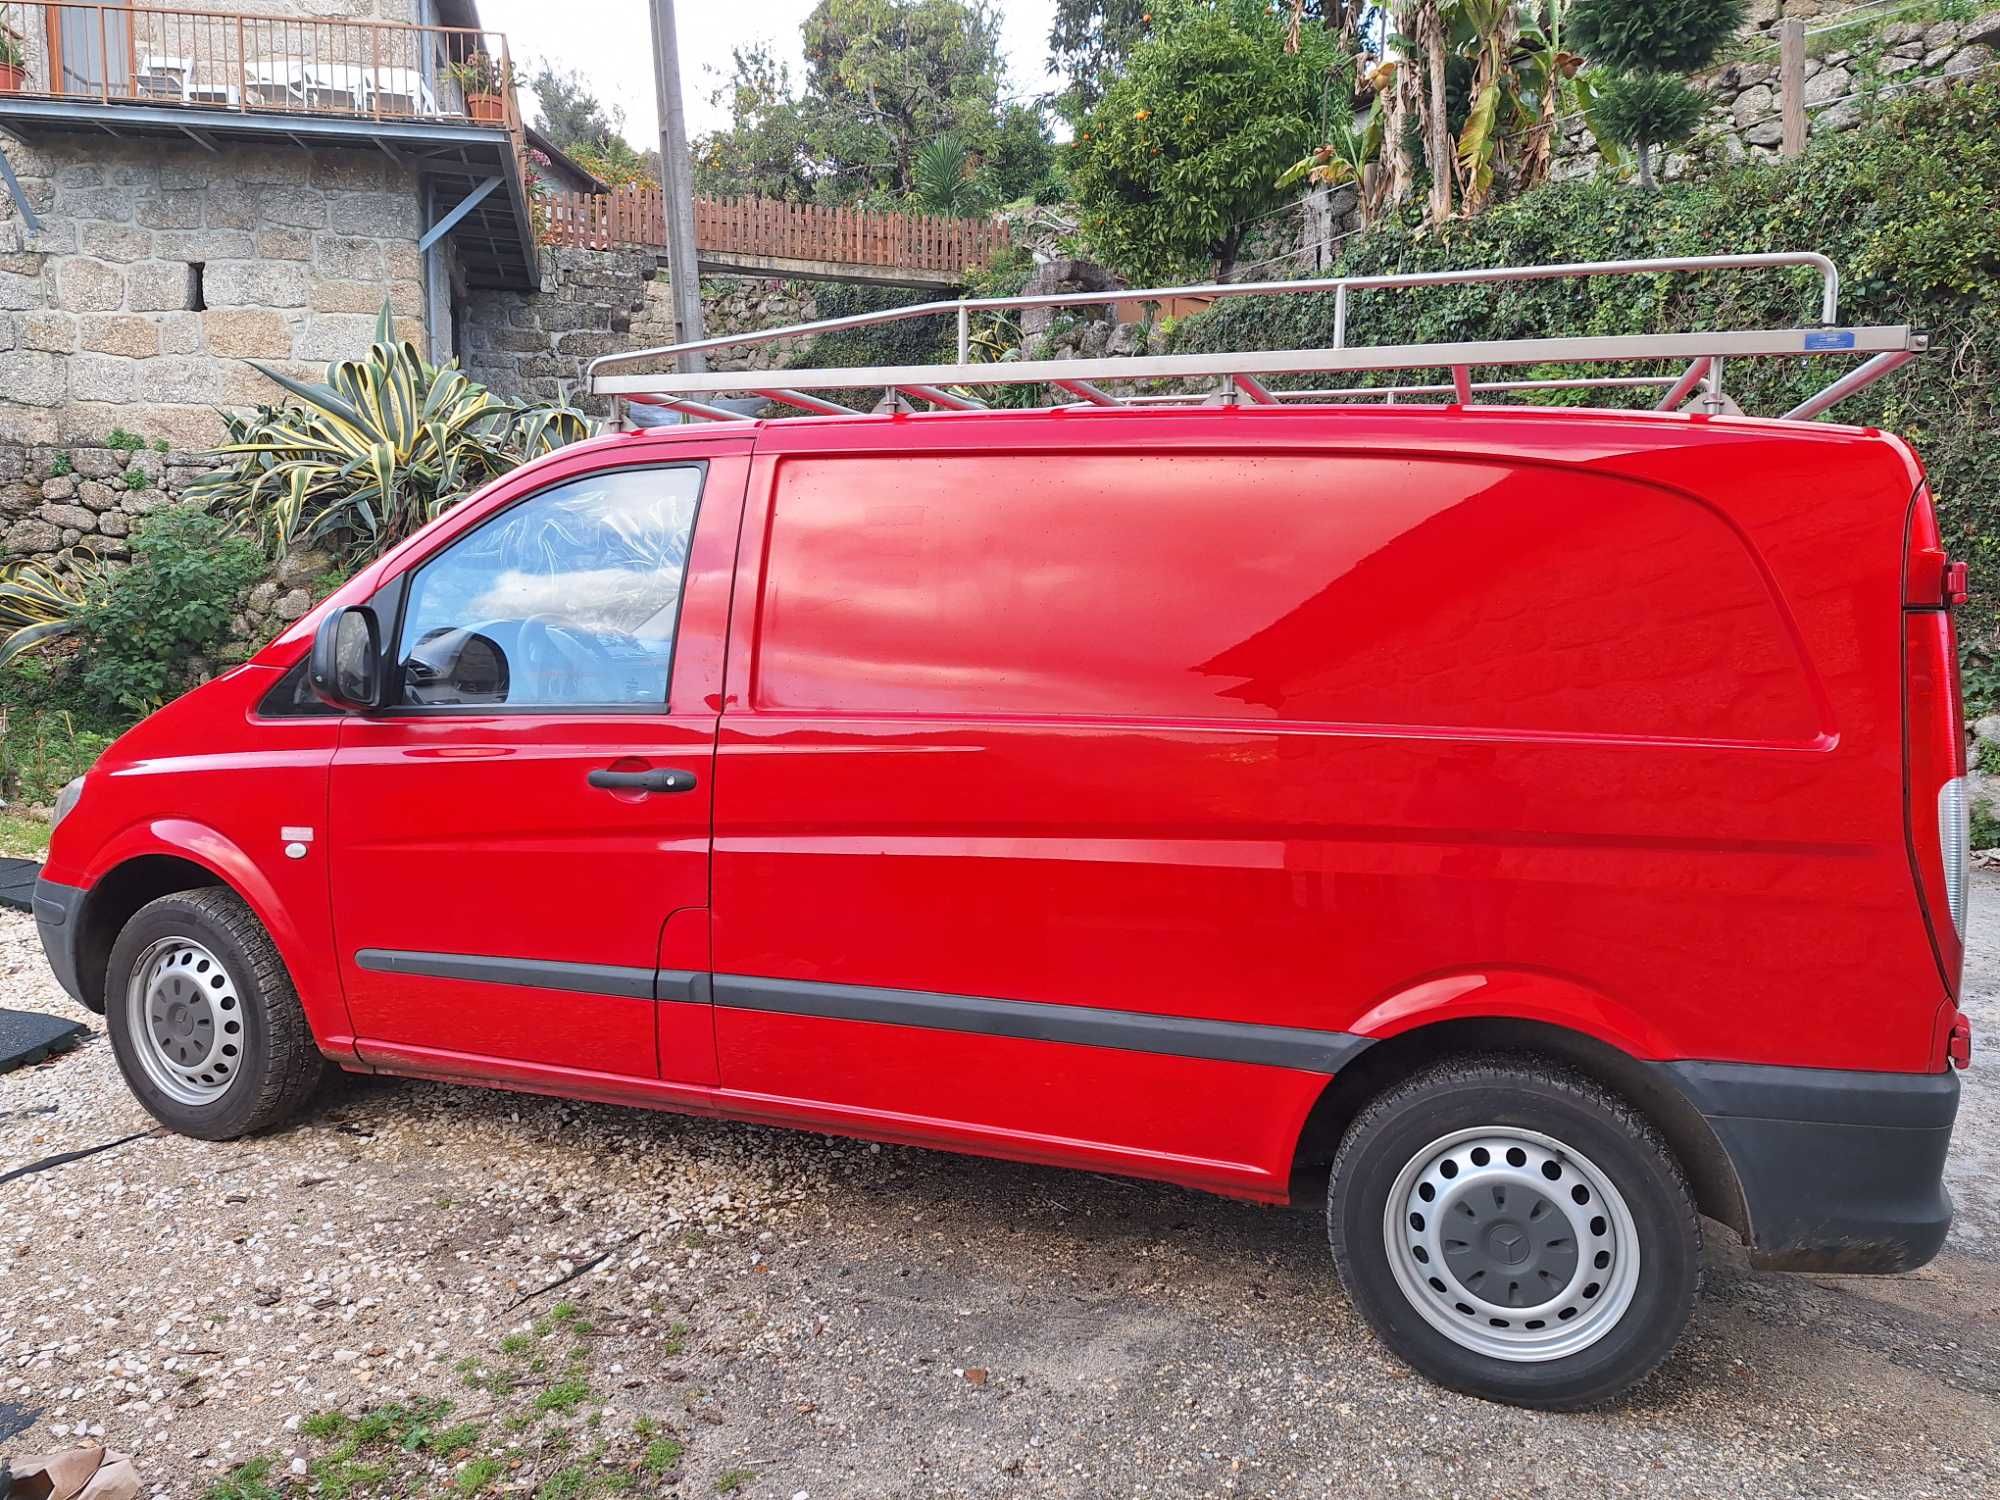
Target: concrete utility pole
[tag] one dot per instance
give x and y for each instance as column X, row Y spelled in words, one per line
column 677, row 183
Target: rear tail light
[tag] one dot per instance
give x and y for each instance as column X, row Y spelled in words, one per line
column 1934, row 732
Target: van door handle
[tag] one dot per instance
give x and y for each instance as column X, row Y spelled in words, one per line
column 643, row 781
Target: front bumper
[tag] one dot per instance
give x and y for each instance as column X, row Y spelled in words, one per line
column 1841, row 1171
column 58, row 919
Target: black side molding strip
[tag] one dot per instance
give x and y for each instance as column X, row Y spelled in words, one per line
column 1131, row 1031
column 546, row 974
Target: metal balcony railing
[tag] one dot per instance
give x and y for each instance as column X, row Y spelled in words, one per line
column 222, row 60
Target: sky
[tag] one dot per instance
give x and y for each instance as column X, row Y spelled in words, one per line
column 610, row 43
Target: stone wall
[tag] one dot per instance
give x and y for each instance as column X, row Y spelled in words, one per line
column 1849, row 72
column 596, row 302
column 161, row 270
column 53, row 498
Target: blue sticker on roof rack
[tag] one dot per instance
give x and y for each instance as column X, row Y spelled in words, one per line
column 1833, row 338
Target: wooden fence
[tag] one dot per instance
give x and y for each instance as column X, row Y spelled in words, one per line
column 770, row 229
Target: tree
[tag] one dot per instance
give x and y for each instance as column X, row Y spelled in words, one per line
column 767, row 149
column 1022, row 158
column 883, row 79
column 1643, row 104
column 1187, row 144
column 893, row 74
column 1089, row 40
column 1088, row 43
column 571, row 115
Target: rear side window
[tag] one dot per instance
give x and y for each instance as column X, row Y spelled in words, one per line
column 568, row 599
column 1352, row 590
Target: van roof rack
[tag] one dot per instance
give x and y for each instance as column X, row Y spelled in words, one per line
column 1212, row 379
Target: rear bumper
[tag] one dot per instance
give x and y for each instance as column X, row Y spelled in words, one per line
column 1840, row 1171
column 58, row 909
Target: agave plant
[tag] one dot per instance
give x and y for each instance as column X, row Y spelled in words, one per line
column 384, row 445
column 42, row 598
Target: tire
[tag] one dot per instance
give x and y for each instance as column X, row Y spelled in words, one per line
column 204, row 1020
column 1451, row 1197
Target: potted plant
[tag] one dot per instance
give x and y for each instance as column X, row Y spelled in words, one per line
column 478, row 78
column 13, row 61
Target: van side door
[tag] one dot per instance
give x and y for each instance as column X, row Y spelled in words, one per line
column 521, row 844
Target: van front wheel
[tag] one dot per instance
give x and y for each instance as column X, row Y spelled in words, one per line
column 204, row 1020
column 1516, row 1232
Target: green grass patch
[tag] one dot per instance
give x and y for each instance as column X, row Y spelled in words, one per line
column 23, row 838
column 662, row 1454
column 363, row 1449
column 478, row 1476
column 251, row 1481
column 564, row 1395
column 734, row 1480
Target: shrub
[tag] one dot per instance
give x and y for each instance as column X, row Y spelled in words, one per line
column 1644, row 110
column 142, row 625
column 1673, row 36
column 1642, row 104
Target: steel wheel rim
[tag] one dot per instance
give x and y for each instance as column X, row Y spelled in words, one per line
column 185, row 1019
column 1486, row 1267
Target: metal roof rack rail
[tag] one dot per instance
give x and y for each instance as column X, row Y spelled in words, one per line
column 1245, row 377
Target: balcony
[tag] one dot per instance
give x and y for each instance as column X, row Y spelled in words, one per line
column 438, row 99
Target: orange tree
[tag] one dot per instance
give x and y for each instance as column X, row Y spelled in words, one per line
column 1186, row 146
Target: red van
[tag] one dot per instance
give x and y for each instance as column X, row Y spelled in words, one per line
column 1550, row 821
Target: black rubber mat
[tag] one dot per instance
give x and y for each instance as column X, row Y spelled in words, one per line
column 17, row 883
column 28, row 1036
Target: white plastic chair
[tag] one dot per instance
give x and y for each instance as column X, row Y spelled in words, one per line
column 400, row 91
column 163, row 77
column 281, row 82
column 339, row 88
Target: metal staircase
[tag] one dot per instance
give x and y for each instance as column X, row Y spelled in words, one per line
column 1692, row 364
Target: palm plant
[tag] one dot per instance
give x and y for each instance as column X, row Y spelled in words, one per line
column 42, row 599
column 944, row 179
column 1496, row 105
column 1349, row 151
column 383, row 446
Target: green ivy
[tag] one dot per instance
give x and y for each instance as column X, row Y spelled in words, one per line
column 1905, row 208
column 141, row 626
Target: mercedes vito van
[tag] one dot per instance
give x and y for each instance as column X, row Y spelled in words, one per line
column 1552, row 822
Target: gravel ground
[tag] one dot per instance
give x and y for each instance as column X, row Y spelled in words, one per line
column 782, row 1314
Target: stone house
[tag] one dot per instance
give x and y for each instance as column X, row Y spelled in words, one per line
column 189, row 190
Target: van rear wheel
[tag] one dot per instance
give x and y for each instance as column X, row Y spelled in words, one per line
column 1514, row 1231
column 204, row 1020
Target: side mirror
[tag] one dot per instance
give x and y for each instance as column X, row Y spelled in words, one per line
column 346, row 667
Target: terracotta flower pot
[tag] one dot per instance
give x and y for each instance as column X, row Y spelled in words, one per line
column 13, row 78
column 487, row 109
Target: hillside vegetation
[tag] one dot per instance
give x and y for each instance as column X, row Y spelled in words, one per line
column 1909, row 209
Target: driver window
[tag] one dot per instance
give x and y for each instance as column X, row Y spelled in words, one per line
column 568, row 599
